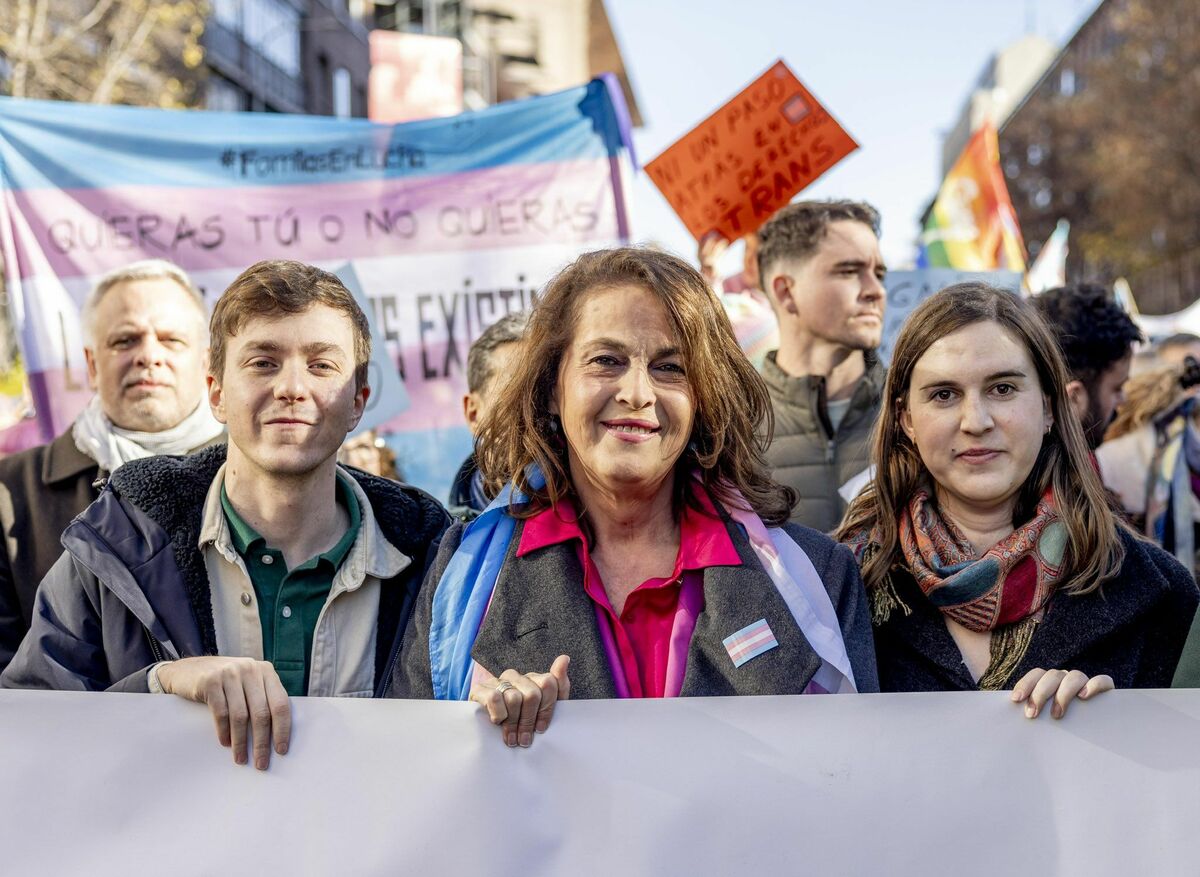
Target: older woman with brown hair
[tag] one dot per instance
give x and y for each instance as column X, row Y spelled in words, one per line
column 987, row 544
column 638, row 536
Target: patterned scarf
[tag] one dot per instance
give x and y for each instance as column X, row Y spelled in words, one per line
column 1011, row 581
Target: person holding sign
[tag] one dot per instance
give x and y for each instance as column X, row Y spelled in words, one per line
column 241, row 577
column 639, row 547
column 823, row 273
column 986, row 540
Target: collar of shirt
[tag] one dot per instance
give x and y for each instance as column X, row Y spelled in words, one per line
column 703, row 539
column 245, row 538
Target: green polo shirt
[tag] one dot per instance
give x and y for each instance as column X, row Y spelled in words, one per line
column 290, row 601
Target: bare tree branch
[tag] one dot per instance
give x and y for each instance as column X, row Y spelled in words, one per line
column 63, row 82
column 119, row 63
column 73, row 32
column 21, row 67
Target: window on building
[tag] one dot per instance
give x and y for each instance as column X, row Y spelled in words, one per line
column 272, row 27
column 342, row 92
column 323, row 100
column 1066, row 82
column 404, row 15
column 223, row 96
column 1034, row 154
column 1042, row 197
column 436, row 17
column 228, row 14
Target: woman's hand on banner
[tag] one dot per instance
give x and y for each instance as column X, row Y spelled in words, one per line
column 1038, row 686
column 523, row 703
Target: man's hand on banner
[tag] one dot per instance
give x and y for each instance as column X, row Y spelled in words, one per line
column 522, row 703
column 1038, row 686
column 242, row 694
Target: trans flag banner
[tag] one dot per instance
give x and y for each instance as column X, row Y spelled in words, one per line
column 443, row 225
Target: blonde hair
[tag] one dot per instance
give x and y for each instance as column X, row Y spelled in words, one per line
column 1146, row 397
column 1063, row 464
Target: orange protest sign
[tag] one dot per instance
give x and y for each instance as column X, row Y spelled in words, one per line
column 746, row 160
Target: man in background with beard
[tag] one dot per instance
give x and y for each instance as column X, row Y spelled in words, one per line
column 1097, row 339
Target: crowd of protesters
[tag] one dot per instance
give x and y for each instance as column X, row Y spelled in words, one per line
column 647, row 511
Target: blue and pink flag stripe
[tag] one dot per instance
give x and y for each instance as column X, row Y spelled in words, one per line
column 448, row 223
column 750, row 642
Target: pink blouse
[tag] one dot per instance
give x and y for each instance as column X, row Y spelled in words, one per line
column 647, row 644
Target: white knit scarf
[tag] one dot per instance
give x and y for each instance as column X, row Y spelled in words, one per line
column 110, row 446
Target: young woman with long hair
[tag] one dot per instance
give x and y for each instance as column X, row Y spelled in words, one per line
column 989, row 551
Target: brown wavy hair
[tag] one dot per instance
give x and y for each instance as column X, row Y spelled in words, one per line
column 1095, row 551
column 733, row 417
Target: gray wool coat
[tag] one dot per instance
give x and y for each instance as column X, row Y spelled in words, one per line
column 539, row 611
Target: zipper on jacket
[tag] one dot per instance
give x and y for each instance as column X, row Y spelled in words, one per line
column 154, row 647
column 830, row 447
column 384, row 683
column 821, row 409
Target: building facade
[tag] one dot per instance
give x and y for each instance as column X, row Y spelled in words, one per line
column 288, row 56
column 1106, row 139
column 1003, row 82
column 517, row 48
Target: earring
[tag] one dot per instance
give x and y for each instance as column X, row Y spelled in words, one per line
column 555, row 434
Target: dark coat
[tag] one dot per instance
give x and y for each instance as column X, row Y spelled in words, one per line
column 1132, row 629
column 540, row 610
column 132, row 588
column 41, row 490
column 465, row 505
column 806, row 453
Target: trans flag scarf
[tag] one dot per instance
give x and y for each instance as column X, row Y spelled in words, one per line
column 465, row 589
column 1174, row 478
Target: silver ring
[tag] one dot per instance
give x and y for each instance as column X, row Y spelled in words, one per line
column 504, row 686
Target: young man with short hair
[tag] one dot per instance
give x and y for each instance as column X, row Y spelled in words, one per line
column 239, row 578
column 822, row 271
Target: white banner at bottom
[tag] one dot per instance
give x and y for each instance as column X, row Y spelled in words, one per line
column 119, row 784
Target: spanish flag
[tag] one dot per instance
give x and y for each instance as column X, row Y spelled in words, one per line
column 972, row 226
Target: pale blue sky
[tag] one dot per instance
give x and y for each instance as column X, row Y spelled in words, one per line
column 896, row 75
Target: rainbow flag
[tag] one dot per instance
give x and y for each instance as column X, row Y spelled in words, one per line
column 973, row 226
